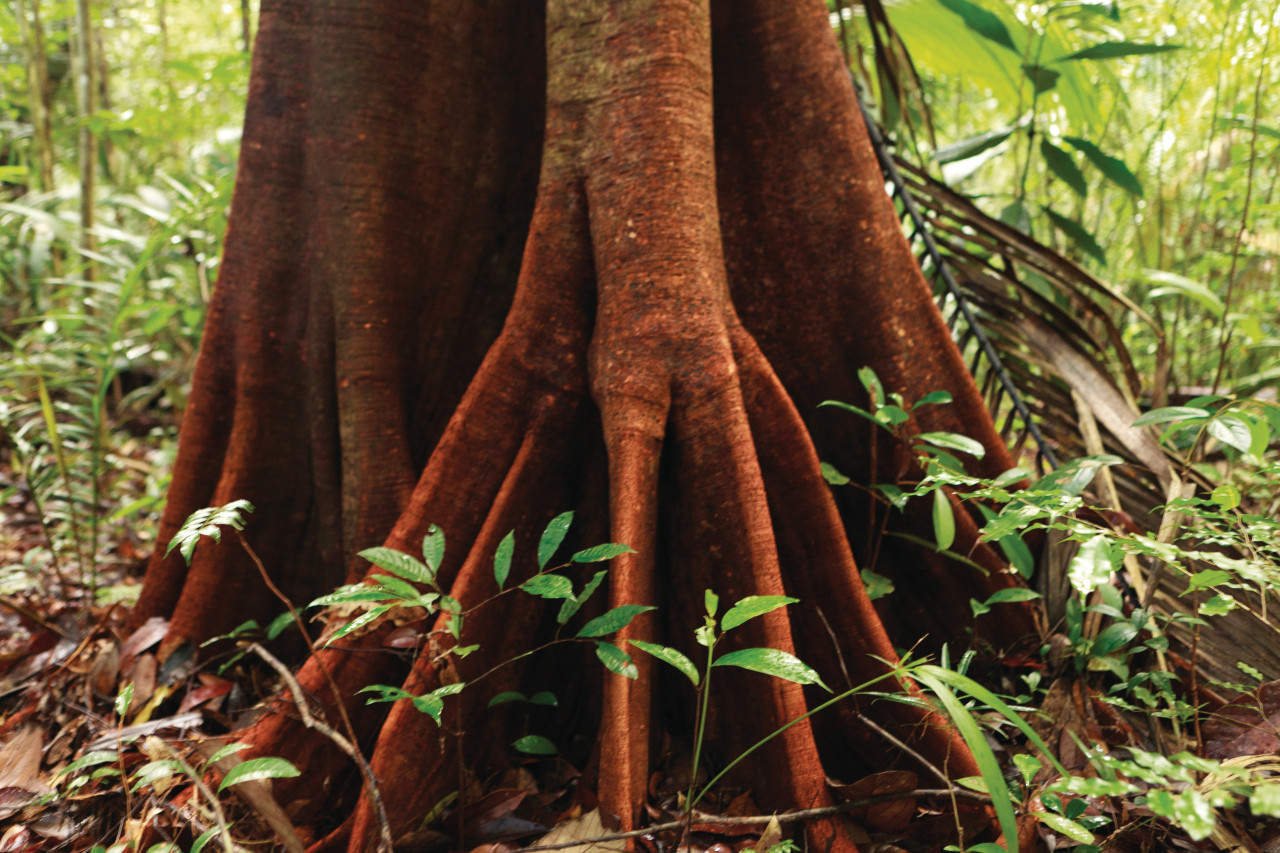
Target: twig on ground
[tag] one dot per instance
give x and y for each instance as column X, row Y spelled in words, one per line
column 785, row 817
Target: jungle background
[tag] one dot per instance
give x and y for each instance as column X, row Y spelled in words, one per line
column 1136, row 141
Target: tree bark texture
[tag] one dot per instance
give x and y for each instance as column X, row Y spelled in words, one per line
column 489, row 261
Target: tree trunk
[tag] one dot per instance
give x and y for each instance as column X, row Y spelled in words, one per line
column 32, row 34
column 87, row 146
column 697, row 274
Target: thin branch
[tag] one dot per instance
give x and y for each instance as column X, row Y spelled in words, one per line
column 785, row 817
column 348, row 747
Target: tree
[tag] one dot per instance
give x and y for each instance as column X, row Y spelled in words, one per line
column 489, row 261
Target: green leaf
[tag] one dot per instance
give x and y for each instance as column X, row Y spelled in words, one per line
column 256, row 769
column 933, row 398
column 668, row 655
column 433, row 548
column 1231, row 431
column 1265, row 800
column 154, row 771
column 751, row 607
column 615, row 620
column 535, row 745
column 616, row 660
column 1260, row 432
column 1226, row 496
column 954, row 441
column 1116, row 49
column 544, row 697
column 1077, row 234
column 1062, row 826
column 1066, row 170
column 1206, row 579
column 878, row 586
column 773, row 662
column 871, row 382
column 1012, row 594
column 712, row 602
column 1188, row 809
column 1171, row 284
column 1018, row 554
column 548, row 586
column 572, row 604
column 1073, row 477
column 552, row 536
column 124, row 699
column 1091, row 566
column 400, row 564
column 89, row 759
column 359, row 622
column 988, row 766
column 1114, row 637
column 432, row 704
column 278, row 625
column 848, row 407
column 984, row 23
column 508, row 696
column 207, row 522
column 229, row 749
column 973, row 146
column 502, row 558
column 832, row 476
column 1114, row 169
column 1042, row 79
column 1217, row 606
column 351, row 592
column 1170, row 414
column 944, row 521
column 205, row 837
column 599, row 553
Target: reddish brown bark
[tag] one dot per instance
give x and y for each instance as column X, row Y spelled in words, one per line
column 699, row 272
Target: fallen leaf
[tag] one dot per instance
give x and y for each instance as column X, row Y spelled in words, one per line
column 20, row 760
column 589, row 825
column 148, row 634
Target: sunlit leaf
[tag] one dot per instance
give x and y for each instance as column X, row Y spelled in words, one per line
column 773, row 662
column 1112, row 168
column 751, row 607
column 256, row 769
column 615, row 620
column 552, row 536
column 616, row 660
column 599, row 553
column 668, row 655
column 502, row 558
column 944, row 521
column 1116, row 49
column 433, row 548
column 399, row 564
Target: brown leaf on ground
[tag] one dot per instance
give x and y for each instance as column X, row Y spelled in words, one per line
column 881, row 817
column 1248, row 725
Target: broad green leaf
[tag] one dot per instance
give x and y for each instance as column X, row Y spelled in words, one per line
column 1188, row 809
column 1091, row 566
column 1206, row 579
column 615, row 620
column 229, row 749
column 1113, row 638
column 1073, row 477
column 1217, row 606
column 599, row 553
column 872, row 383
column 1226, row 496
column 1042, row 79
column 933, row 398
column 1170, row 414
column 573, row 603
column 1112, row 168
column 712, row 602
column 154, row 771
column 89, row 759
column 1012, row 594
column 773, row 662
column 349, row 593
column 278, row 625
column 668, row 655
column 386, row 693
column 397, row 587
column 508, row 696
column 256, row 769
column 124, row 699
column 433, row 548
column 1077, row 234
column 1066, row 170
column 1062, row 826
column 544, row 697
column 535, row 745
column 1028, row 766
column 832, row 476
column 1265, row 800
column 848, row 407
column 616, row 660
column 552, row 536
column 1018, row 554
column 878, row 586
column 359, row 622
column 548, row 586
column 1260, row 436
column 1171, row 284
column 982, row 22
column 973, row 146
column 954, row 441
column 1232, row 431
column 944, row 521
column 432, row 704
column 502, row 558
column 1116, row 49
column 399, row 563
column 751, row 607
